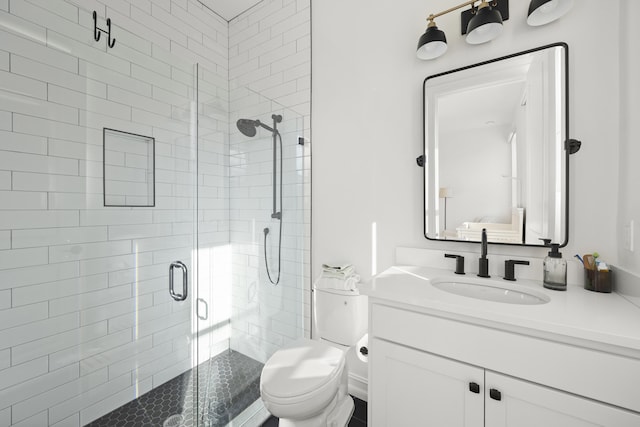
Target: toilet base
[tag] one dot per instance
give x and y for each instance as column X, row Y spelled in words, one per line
column 339, row 416
column 356, row 368
column 342, row 414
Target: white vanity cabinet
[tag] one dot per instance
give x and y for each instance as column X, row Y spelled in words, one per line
column 429, row 370
column 525, row 404
column 412, row 387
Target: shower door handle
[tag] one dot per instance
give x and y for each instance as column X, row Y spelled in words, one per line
column 174, row 295
column 204, row 316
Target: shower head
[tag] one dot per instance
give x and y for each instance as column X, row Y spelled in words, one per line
column 248, row 127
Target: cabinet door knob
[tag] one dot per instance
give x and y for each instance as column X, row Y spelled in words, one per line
column 474, row 387
column 495, row 394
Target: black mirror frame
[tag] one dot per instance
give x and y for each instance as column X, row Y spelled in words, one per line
column 570, row 147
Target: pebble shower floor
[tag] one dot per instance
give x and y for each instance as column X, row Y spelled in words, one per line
column 227, row 384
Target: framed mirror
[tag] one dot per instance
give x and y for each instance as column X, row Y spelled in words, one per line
column 495, row 152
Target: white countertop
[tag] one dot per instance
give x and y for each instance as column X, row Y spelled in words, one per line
column 608, row 322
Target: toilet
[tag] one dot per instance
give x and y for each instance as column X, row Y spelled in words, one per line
column 306, row 383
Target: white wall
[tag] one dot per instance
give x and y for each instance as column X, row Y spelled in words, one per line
column 367, row 121
column 629, row 172
column 487, row 198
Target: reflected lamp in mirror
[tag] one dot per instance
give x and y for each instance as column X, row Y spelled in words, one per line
column 444, row 194
column 496, row 131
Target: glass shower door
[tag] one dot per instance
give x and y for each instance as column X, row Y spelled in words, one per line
column 243, row 317
column 213, row 253
column 98, row 179
column 268, row 313
column 153, row 102
column 229, row 380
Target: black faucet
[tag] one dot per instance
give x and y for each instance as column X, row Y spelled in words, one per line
column 483, row 262
column 459, row 262
column 509, row 268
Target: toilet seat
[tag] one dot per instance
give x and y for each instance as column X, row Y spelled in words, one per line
column 301, row 379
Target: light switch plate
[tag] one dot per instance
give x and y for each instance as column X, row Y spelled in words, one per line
column 629, row 236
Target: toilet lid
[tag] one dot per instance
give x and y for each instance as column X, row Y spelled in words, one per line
column 301, row 368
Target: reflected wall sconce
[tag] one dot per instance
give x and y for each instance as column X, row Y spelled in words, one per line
column 484, row 22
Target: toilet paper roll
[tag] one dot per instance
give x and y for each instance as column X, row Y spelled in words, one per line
column 362, row 348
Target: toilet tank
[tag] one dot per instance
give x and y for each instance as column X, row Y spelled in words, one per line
column 340, row 316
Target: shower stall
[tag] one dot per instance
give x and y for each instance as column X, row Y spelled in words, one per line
column 137, row 283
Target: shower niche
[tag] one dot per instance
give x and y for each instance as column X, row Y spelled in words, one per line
column 128, row 169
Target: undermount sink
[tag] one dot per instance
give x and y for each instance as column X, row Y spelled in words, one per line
column 491, row 291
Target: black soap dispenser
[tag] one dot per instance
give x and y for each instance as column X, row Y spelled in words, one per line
column 555, row 268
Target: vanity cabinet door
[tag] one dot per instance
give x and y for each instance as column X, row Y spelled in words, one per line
column 408, row 387
column 524, row 404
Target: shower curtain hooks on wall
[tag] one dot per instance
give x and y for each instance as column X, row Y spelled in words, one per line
column 96, row 30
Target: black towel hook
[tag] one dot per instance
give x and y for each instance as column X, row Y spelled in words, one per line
column 97, row 30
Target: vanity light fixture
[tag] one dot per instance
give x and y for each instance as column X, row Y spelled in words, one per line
column 542, row 12
column 485, row 26
column 433, row 43
column 481, row 24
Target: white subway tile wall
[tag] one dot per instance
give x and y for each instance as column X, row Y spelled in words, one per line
column 270, row 73
column 86, row 322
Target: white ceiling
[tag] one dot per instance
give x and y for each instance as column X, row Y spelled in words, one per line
column 494, row 105
column 229, row 9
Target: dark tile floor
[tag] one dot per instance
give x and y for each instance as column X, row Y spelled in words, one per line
column 358, row 419
column 228, row 383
